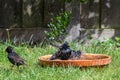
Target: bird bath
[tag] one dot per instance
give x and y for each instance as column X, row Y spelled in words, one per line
column 86, row 60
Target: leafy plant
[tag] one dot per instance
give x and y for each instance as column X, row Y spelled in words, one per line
column 108, row 44
column 58, row 26
column 117, row 39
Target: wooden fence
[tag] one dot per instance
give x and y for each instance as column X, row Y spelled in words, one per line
column 101, row 14
column 23, row 14
column 37, row 13
column 28, row 13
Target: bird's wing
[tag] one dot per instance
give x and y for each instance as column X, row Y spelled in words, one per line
column 15, row 57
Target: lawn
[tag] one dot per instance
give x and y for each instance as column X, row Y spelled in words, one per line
column 33, row 71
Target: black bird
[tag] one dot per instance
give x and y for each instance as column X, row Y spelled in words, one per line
column 13, row 57
column 75, row 55
column 65, row 53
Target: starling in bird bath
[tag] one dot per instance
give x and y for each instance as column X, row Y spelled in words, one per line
column 65, row 53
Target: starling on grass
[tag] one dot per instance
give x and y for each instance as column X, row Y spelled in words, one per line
column 13, row 57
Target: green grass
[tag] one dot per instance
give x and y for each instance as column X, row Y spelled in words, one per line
column 33, row 71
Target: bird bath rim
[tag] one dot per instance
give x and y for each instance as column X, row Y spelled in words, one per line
column 89, row 59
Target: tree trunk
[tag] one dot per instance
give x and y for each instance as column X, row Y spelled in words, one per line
column 74, row 26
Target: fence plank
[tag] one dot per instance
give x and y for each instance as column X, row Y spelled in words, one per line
column 7, row 11
column 90, row 14
column 110, row 14
column 32, row 13
column 52, row 8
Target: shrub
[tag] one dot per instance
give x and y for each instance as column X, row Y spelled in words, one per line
column 58, row 26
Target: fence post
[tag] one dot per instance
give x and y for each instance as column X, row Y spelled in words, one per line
column 100, row 12
column 21, row 14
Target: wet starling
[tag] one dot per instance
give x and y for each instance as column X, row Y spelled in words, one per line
column 65, row 53
column 13, row 57
column 75, row 55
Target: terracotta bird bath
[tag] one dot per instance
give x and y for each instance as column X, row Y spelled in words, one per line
column 86, row 60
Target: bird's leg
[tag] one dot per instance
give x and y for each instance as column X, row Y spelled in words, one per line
column 18, row 67
column 12, row 67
